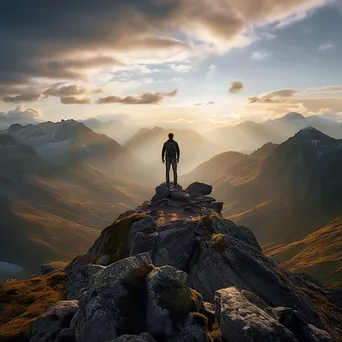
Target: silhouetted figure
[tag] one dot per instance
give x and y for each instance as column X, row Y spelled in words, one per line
column 170, row 154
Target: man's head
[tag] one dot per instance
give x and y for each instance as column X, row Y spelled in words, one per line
column 170, row 136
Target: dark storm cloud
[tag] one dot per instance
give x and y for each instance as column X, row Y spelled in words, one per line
column 235, row 87
column 21, row 98
column 145, row 98
column 75, row 100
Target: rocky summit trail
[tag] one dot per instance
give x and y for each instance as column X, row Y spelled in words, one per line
column 174, row 269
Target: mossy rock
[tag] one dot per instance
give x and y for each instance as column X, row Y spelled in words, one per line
column 178, row 301
column 219, row 243
column 117, row 246
column 207, row 226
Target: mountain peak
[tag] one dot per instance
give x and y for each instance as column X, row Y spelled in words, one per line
column 311, row 133
column 293, row 116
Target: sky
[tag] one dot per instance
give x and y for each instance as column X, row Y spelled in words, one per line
column 203, row 63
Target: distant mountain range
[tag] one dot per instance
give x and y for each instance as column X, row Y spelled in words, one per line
column 281, row 192
column 147, row 144
column 57, row 193
column 249, row 135
column 114, row 129
column 70, row 142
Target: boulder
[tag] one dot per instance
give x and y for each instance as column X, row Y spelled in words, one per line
column 146, row 225
column 180, row 195
column 78, row 279
column 169, row 301
column 100, row 317
column 193, row 333
column 114, row 303
column 162, row 191
column 296, row 323
column 66, row 335
column 144, row 337
column 58, row 317
column 174, row 203
column 241, row 321
column 217, row 206
column 196, row 189
column 143, row 242
column 175, row 245
column 103, row 260
column 254, row 299
column 117, row 272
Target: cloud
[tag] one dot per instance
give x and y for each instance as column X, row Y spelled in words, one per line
column 325, row 47
column 144, row 98
column 65, row 41
column 259, row 55
column 180, row 67
column 256, row 99
column 284, row 95
column 209, row 103
column 277, row 96
column 268, row 35
column 325, row 101
column 61, row 90
column 291, row 20
column 19, row 115
column 75, row 100
column 236, row 87
column 21, row 98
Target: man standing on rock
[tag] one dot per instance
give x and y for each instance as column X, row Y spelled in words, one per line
column 171, row 154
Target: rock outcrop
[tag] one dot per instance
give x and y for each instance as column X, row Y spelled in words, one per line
column 174, row 269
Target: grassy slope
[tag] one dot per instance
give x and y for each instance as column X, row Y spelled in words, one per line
column 319, row 254
column 57, row 217
column 22, row 301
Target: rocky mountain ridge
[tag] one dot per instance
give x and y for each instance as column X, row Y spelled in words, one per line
column 281, row 192
column 174, row 269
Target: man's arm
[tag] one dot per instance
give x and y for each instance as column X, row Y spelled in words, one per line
column 163, row 151
column 178, row 151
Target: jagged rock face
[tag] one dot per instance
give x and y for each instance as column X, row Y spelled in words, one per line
column 241, row 321
column 151, row 269
column 144, row 337
column 295, row 322
column 58, row 317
